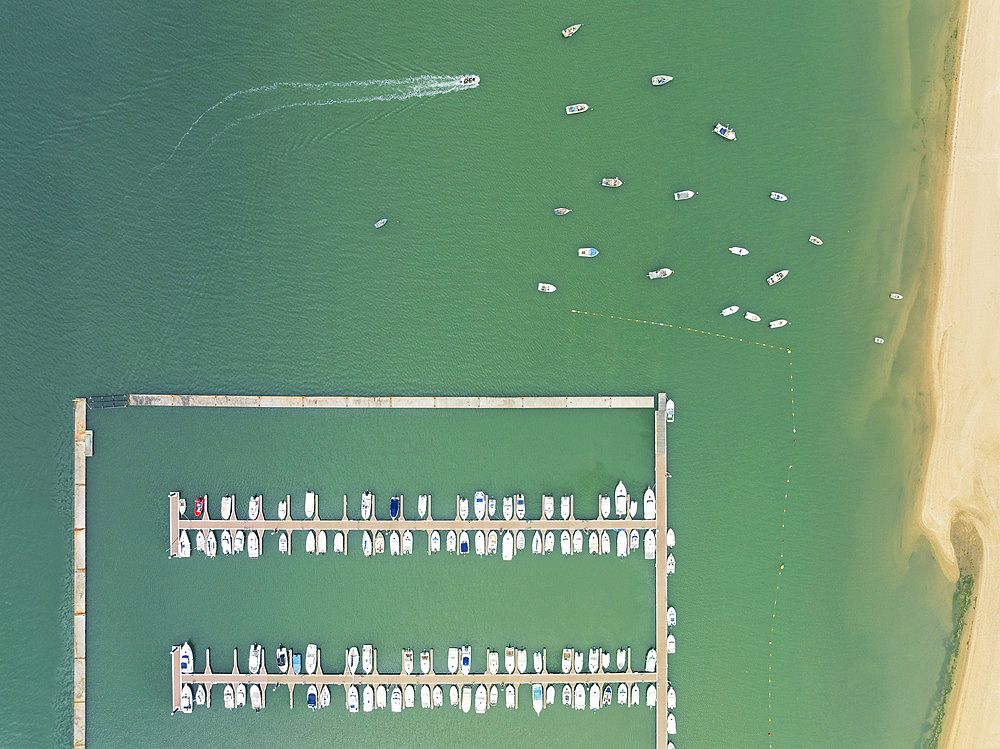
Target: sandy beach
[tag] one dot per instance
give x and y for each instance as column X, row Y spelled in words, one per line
column 963, row 468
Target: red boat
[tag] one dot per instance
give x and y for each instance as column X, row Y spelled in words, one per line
column 199, row 506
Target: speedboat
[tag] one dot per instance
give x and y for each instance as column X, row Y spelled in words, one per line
column 594, row 543
column 522, row 661
column 352, row 699
column 394, row 506
column 671, row 644
column 187, row 700
column 438, row 693
column 227, row 506
column 548, row 506
column 491, row 506
column 241, row 695
column 511, row 696
column 777, row 323
column 211, row 545
column 670, row 414
column 621, row 499
column 895, row 296
column 482, row 695
column 607, row 695
column 394, row 544
column 550, row 542
column 463, row 543
column 579, row 697
column 671, row 724
column 465, row 663
column 633, row 539
column 605, row 542
column 256, row 698
column 509, row 654
column 671, row 616
column 519, row 508
column 409, row 695
column 422, row 505
column 381, row 222
column 567, row 695
column 425, row 697
column 353, row 658
column 407, row 661
column 407, row 542
column 576, row 108
column 562, row 211
column 537, row 661
column 312, row 658
column 184, row 545
column 296, row 663
column 577, row 541
column 684, row 195
column 199, row 506
column 254, row 509
column 366, row 543
column 622, row 544
column 470, row 80
column 463, row 507
column 283, row 507
column 567, row 660
column 550, row 694
column 622, row 694
column 367, row 658
column 775, row 277
column 660, row 80
column 649, row 545
column 452, row 660
column 651, row 695
column 480, row 505
column 310, row 505
column 633, row 697
column 620, row 659
column 281, row 658
column 879, row 340
column 256, row 658
column 367, row 501
column 283, row 543
column 381, row 697
column 564, row 506
column 466, row 698
column 451, row 542
column 492, row 661
column 492, row 542
column 611, row 182
column 396, row 700
column 671, row 697
column 187, row 658
column 378, row 542
column 253, row 544
column 367, row 698
column 239, row 541
column 730, row 310
column 321, row 542
column 229, row 697
column 578, row 661
column 651, row 660
column 453, row 695
column 661, row 273
column 670, row 538
column 587, row 252
column 480, row 543
column 670, row 564
column 434, row 543
column 537, row 698
column 604, row 502
column 779, row 197
column 594, row 660
column 725, row 131
column 508, row 546
column 815, row 240
column 566, row 543
column 739, row 251
column 508, row 508
column 751, row 316
column 536, row 543
column 569, row 31
column 649, row 503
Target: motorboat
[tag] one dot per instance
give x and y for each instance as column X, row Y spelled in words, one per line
column 395, row 504
column 621, row 499
column 184, row 545
column 283, row 542
column 649, row 545
column 588, row 252
column 256, row 698
column 381, row 697
column 296, row 663
column 751, row 316
column 622, row 544
column 620, row 659
column 227, row 506
column 492, row 542
column 537, row 661
column 660, row 80
column 775, row 277
column 463, row 543
column 366, row 543
column 660, row 273
column 508, row 546
column 451, row 542
column 649, row 504
column 321, row 542
column 434, row 543
column 879, row 340
column 670, row 564
column 407, row 661
column 566, row 543
column 256, row 658
column 684, row 194
column 310, row 505
column 651, row 695
column 550, row 694
column 567, row 695
column 567, row 660
column 229, row 697
column 607, row 695
column 519, row 541
column 536, row 543
column 187, row 658
column 595, row 697
column 422, row 505
column 396, row 699
column 605, row 542
column 254, row 549
column 569, row 31
column 438, row 693
column 563, row 211
column 480, row 505
column 211, row 545
column 651, row 660
column 671, row 616
column 895, row 296
column 611, row 182
column 550, row 542
column 482, row 695
column 492, row 661
column 725, row 131
column 594, row 543
column 633, row 539
column 425, row 697
column 777, row 323
column 491, row 506
column 605, row 659
column 470, row 80
column 378, row 542
column 633, row 697
column 199, row 507
column 480, row 543
column 815, row 240
column 453, row 695
column 522, row 661
column 579, row 697
column 182, row 505
column 604, row 503
column 367, row 658
column 778, row 196
column 465, row 662
column 671, row 724
column 593, row 660
column 463, row 507
column 367, row 698
column 578, row 661
column 578, row 541
column 730, row 310
column 239, row 541
column 670, row 538
column 466, row 698
column 537, row 698
column 312, row 658
column 394, row 544
column 510, row 694
column 281, row 658
column 353, row 658
column 576, row 108
column 519, row 507
column 739, row 251
column 352, row 698
column 633, row 507
column 509, row 656
column 406, row 542
column 622, row 694
column 254, row 510
column 508, row 508
column 548, row 506
column 671, row 644
column 241, row 695
column 367, row 503
column 187, row 699
column 409, row 696
column 452, row 660
column 565, row 505
column 201, row 695
column 381, row 222
column 670, row 414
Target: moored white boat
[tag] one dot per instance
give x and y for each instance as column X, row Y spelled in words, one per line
column 670, row 414
column 378, row 543
column 730, row 310
column 550, row 694
column 396, row 700
column 660, row 273
column 226, row 543
column 438, row 693
column 508, row 507
column 256, row 658
column 453, row 695
column 660, row 80
column 578, row 661
column 536, row 543
column 651, row 695
column 465, row 660
column 253, row 544
column 739, row 251
column 725, row 131
column 422, row 505
column 537, row 698
column 407, row 661
column 229, row 697
column 671, row 644
column 670, row 564
column 492, row 661
column 779, row 197
column 566, row 543
column 651, row 660
column 671, row 724
column 463, row 543
column 649, row 545
column 239, row 541
column 684, row 194
column 633, row 697
column 187, row 658
column 550, row 542
column 620, row 659
column 567, row 660
column 434, row 542
column 409, row 696
column 480, row 542
column 508, row 546
column 671, row 616
column 751, row 316
column 775, row 277
column 366, row 544
column 481, row 697
column 367, row 503
column 579, row 697
column 670, row 538
column 211, row 545
column 321, row 542
column 633, row 539
column 312, row 658
column 594, row 542
column 510, row 693
column 367, row 658
column 425, row 697
column 509, row 655
column 649, row 504
column 522, row 661
column 567, row 695
column 381, row 697
column 311, row 542
column 184, row 545
column 187, row 699
column 595, row 697
column 310, row 505
column 578, row 541
column 283, row 543
column 519, row 509
column 367, row 698
column 537, row 661
column 576, row 108
column 492, row 542
column 227, row 506
column 622, row 543
column 565, row 506
column 587, row 252
column 338, row 542
column 352, row 697
column 353, row 659
column 777, row 323
column 593, row 660
column 622, row 694
column 452, row 660
column 621, row 499
column 570, row 30
column 605, row 505
column 451, row 542
column 611, row 182
column 479, row 504
column 605, row 542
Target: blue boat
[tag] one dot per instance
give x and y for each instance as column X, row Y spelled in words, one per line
column 296, row 663
column 394, row 508
column 587, row 252
column 381, row 222
column 464, row 546
column 311, row 701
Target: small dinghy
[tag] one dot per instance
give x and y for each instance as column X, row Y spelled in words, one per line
column 570, row 30
column 815, row 240
column 730, row 310
column 739, row 251
column 879, row 340
column 381, row 222
column 775, row 277
column 611, row 182
column 684, row 195
column 546, row 287
column 587, row 252
column 777, row 323
column 725, row 131
column 779, row 197
column 751, row 317
column 660, row 80
column 895, row 296
column 562, row 211
column 576, row 108
column 661, row 273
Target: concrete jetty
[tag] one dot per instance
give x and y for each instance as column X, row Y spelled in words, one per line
column 394, row 401
column 83, row 448
column 660, row 469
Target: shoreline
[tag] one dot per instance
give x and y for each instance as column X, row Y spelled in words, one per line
column 962, row 466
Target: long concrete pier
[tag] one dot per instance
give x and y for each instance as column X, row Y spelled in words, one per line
column 394, row 401
column 83, row 448
column 660, row 469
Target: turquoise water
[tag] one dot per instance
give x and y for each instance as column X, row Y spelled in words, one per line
column 167, row 233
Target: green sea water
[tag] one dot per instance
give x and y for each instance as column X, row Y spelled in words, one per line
column 175, row 223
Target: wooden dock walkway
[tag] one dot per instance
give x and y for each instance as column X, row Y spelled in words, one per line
column 394, row 401
column 660, row 460
column 83, row 448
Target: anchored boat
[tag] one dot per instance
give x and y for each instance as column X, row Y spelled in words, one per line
column 725, row 131
column 777, row 323
column 739, row 251
column 611, row 182
column 587, row 252
column 546, row 287
column 815, row 240
column 562, row 211
column 660, row 80
column 751, row 317
column 381, row 222
column 576, row 108
column 779, row 197
column 730, row 310
column 775, row 277
column 684, row 195
column 570, row 30
column 661, row 273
